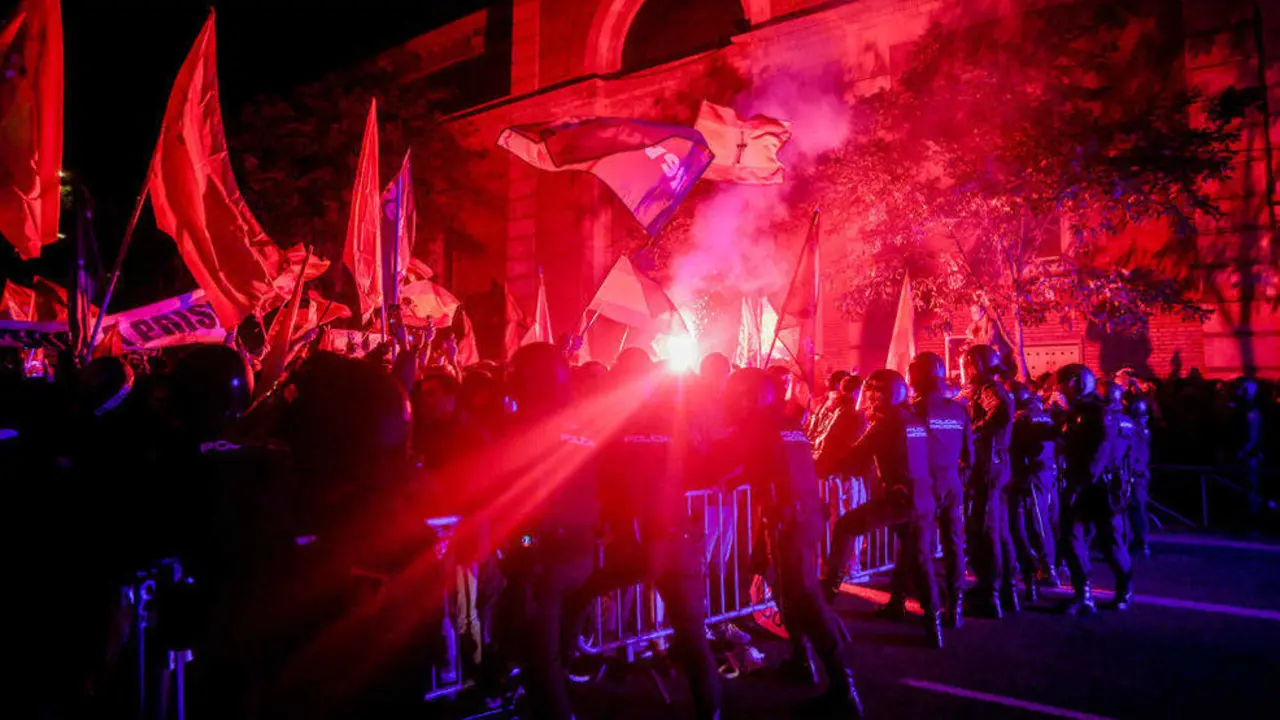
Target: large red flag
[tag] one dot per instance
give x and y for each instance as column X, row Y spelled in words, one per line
column 195, row 197
column 281, row 334
column 31, row 126
column 649, row 166
column 797, row 327
column 363, row 252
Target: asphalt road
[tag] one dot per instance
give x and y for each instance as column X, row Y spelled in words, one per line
column 1203, row 640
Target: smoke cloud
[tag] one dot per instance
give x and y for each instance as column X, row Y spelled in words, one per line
column 734, row 242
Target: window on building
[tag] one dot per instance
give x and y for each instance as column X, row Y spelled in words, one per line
column 666, row 30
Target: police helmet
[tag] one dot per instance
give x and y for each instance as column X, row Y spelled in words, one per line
column 1076, row 380
column 887, row 388
column 982, row 362
column 927, row 371
column 634, row 362
column 345, row 410
column 1112, row 392
column 209, row 388
column 752, row 391
column 539, row 378
column 1023, row 397
column 105, row 383
column 1139, row 409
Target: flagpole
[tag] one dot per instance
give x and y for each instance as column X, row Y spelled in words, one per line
column 395, row 254
column 795, row 275
column 115, row 270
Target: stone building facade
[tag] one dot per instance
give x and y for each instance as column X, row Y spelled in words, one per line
column 655, row 58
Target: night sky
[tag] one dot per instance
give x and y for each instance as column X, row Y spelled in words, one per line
column 122, row 57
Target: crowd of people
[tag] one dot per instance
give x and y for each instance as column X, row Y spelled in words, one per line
column 310, row 583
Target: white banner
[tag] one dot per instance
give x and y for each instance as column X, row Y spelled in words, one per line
column 183, row 320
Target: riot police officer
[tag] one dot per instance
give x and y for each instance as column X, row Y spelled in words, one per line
column 545, row 513
column 1093, row 496
column 991, row 411
column 776, row 460
column 646, row 468
column 1140, row 474
column 1034, row 488
column 229, row 523
column 950, row 449
column 898, row 441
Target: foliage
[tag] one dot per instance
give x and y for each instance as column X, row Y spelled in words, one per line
column 1001, row 132
column 298, row 155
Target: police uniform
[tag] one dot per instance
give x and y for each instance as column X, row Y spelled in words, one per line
column 646, row 469
column 992, row 552
column 1140, row 474
column 1093, row 495
column 897, row 440
column 1035, row 486
column 777, row 462
column 950, row 446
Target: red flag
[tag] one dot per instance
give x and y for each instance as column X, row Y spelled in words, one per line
column 799, row 312
column 902, row 344
column 17, row 303
column 278, row 339
column 649, row 166
column 195, row 197
column 363, row 252
column 399, row 221
column 540, row 331
column 425, row 303
column 746, row 151
column 632, row 298
column 319, row 312
column 31, row 126
column 468, row 353
column 516, row 324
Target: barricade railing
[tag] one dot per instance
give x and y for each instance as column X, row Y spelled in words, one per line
column 624, row 621
column 632, row 617
column 1186, row 493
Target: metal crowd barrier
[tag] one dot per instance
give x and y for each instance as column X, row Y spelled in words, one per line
column 624, row 622
column 149, row 597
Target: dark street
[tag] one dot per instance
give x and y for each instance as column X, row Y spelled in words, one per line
column 1201, row 642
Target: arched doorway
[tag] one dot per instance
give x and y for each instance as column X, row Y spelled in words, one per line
column 666, row 30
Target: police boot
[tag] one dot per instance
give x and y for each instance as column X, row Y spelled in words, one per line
column 933, row 629
column 954, row 616
column 800, row 667
column 986, row 604
column 1124, row 595
column 1033, row 592
column 1082, row 603
column 1009, row 598
column 895, row 609
column 840, row 700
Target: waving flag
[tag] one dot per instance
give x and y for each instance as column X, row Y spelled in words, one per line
column 399, row 221
column 649, row 166
column 632, row 298
column 746, row 151
column 363, row 252
column 195, row 197
column 902, row 344
column 540, row 331
column 31, row 126
column 517, row 323
column 797, row 327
